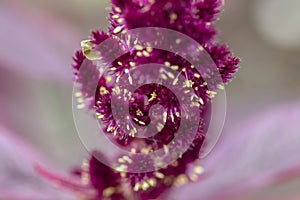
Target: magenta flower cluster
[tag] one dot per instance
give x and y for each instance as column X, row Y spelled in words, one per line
column 193, row 18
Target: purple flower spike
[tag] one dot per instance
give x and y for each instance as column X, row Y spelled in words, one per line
column 140, row 176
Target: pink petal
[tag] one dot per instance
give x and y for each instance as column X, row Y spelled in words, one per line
column 260, row 152
column 18, row 180
column 35, row 43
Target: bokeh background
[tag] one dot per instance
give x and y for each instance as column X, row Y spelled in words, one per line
column 38, row 39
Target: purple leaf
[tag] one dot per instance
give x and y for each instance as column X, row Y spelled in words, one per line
column 35, row 43
column 260, row 152
column 18, row 180
column 70, row 182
